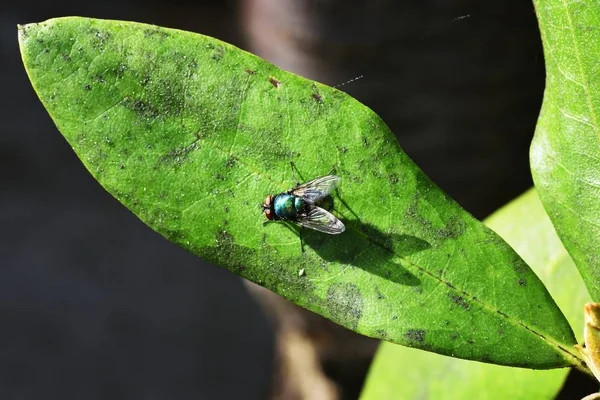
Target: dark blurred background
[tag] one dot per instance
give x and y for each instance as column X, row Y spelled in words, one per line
column 94, row 305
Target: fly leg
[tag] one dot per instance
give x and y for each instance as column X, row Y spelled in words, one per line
column 301, row 239
column 293, row 167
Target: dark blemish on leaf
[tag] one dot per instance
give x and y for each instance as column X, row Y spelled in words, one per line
column 393, row 178
column 485, row 358
column 145, row 80
column 179, row 156
column 174, row 236
column 231, row 161
column 453, row 229
column 156, row 32
column 219, row 177
column 343, row 149
column 140, row 107
column 87, row 87
column 381, row 334
column 46, row 50
column 379, row 295
column 522, row 282
column 66, row 58
column 250, row 72
column 226, row 209
column 224, row 238
column 122, row 166
column 218, row 53
column 501, row 313
column 415, row 335
column 471, row 341
column 120, row 70
column 454, row 336
column 345, row 304
column 446, row 322
column 365, row 142
column 274, row 82
column 460, row 301
column 317, row 97
column 100, row 38
column 163, row 195
column 99, row 78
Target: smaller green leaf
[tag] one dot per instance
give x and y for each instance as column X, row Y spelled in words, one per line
column 403, row 373
column 565, row 152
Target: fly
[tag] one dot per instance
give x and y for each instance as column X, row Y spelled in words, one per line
column 305, row 205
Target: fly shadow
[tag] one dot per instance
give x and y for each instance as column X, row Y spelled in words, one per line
column 364, row 246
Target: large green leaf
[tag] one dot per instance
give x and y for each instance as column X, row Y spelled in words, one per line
column 565, row 153
column 402, row 373
column 191, row 134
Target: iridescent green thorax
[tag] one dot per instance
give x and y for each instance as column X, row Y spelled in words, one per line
column 287, row 206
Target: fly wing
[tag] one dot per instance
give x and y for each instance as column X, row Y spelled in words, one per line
column 322, row 221
column 315, row 190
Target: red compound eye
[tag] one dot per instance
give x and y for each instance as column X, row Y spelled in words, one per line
column 268, row 214
column 268, row 201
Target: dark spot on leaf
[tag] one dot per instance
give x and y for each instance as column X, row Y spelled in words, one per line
column 365, row 142
column 100, row 38
column 87, row 87
column 120, row 70
column 218, row 54
column 393, row 178
column 380, row 296
column 66, row 58
column 179, row 155
column 231, row 161
column 145, row 80
column 448, row 283
column 345, row 304
column 99, row 78
column 156, row 32
column 381, row 334
column 224, row 239
column 250, row 72
column 317, row 97
column 174, row 236
column 140, row 107
column 415, row 335
column 454, row 336
column 343, row 149
column 226, row 209
column 219, row 177
column 122, row 166
column 501, row 313
column 522, row 282
column 274, row 82
column 453, row 229
column 460, row 301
